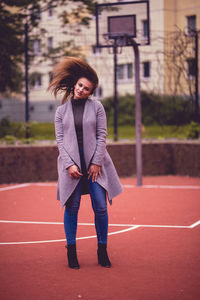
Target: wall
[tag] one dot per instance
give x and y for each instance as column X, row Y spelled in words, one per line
column 37, row 163
column 12, row 108
column 40, row 111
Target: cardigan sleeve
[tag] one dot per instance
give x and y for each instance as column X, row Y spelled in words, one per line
column 101, row 133
column 59, row 138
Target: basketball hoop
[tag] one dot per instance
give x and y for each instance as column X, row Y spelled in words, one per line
column 118, row 39
column 117, row 28
column 115, row 22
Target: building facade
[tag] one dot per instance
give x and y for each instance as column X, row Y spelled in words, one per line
column 181, row 46
column 167, row 66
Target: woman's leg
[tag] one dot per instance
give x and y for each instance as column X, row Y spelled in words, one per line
column 71, row 215
column 99, row 204
column 72, row 206
column 70, row 225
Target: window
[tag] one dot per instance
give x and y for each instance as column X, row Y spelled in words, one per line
column 191, row 67
column 50, row 77
column 191, row 24
column 50, row 11
column 146, row 69
column 145, row 28
column 129, row 71
column 120, row 72
column 124, row 72
column 51, row 107
column 96, row 50
column 32, row 108
column 37, row 14
column 50, row 43
column 37, row 47
column 36, row 80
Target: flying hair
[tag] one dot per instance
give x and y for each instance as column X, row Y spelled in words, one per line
column 66, row 74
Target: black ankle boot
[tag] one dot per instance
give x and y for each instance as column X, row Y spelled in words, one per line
column 72, row 257
column 103, row 259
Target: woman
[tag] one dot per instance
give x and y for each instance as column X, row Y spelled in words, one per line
column 84, row 166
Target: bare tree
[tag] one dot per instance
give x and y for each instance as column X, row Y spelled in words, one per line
column 179, row 59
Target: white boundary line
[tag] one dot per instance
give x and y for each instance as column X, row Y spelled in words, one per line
column 195, row 224
column 187, row 187
column 113, row 225
column 7, row 188
column 143, row 186
column 45, row 184
column 128, row 186
column 171, row 186
column 63, row 240
column 131, row 227
column 31, row 222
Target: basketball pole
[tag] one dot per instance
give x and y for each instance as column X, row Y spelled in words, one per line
column 137, row 114
column 125, row 35
column 115, row 93
column 26, row 42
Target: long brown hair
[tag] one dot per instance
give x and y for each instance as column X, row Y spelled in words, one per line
column 67, row 73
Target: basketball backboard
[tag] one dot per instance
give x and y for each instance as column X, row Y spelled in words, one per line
column 120, row 21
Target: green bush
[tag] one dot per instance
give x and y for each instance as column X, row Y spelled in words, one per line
column 193, row 131
column 28, row 141
column 165, row 110
column 162, row 117
column 9, row 139
column 39, row 131
column 8, row 128
column 5, row 127
column 156, row 109
column 126, row 110
column 42, row 130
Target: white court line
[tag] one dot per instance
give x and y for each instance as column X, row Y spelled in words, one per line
column 64, row 240
column 31, row 222
column 115, row 225
column 171, row 186
column 131, row 227
column 44, row 184
column 92, row 224
column 33, row 242
column 6, row 188
column 195, row 224
column 128, row 186
column 60, row 223
column 111, row 233
column 143, row 186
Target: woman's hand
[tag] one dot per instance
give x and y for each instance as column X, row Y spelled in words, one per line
column 94, row 171
column 74, row 172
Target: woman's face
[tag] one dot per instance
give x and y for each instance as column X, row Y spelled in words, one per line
column 83, row 88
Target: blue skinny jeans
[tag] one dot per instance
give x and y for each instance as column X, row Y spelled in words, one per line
column 99, row 205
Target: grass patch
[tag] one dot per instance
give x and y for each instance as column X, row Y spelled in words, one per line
column 153, row 132
column 42, row 131
column 45, row 131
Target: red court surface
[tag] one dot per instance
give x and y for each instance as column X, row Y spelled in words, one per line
column 154, row 243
